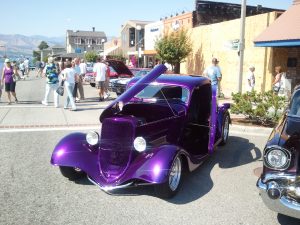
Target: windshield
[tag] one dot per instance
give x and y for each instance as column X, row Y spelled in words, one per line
column 112, row 70
column 161, row 92
column 141, row 73
column 295, row 106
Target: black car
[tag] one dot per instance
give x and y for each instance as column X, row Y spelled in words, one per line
column 279, row 183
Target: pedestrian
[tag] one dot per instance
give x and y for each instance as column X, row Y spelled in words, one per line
column 76, row 67
column 251, row 79
column 26, row 65
column 100, row 68
column 9, row 74
column 213, row 72
column 82, row 67
column 69, row 77
column 50, row 71
column 278, row 83
column 22, row 69
column 107, row 78
column 1, row 87
column 40, row 69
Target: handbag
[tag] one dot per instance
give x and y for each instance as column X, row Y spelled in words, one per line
column 276, row 89
column 60, row 90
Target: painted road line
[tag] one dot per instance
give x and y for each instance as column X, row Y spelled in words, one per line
column 46, row 129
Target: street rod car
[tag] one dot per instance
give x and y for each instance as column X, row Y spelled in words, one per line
column 160, row 126
column 279, row 183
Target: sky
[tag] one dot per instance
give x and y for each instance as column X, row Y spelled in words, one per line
column 52, row 18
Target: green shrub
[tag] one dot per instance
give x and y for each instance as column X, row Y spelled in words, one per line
column 263, row 108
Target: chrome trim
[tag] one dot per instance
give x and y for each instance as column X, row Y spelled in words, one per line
column 279, row 176
column 282, row 205
column 287, row 152
column 110, row 188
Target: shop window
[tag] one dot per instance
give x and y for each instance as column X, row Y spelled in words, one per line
column 292, row 62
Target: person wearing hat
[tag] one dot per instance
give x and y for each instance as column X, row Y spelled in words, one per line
column 8, row 77
column 213, row 72
column 251, row 79
column 50, row 71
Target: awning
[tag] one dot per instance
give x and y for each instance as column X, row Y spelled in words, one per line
column 284, row 31
column 150, row 52
column 109, row 50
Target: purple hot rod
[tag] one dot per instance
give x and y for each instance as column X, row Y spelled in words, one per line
column 160, row 126
column 279, row 183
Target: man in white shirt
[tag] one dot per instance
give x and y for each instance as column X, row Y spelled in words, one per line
column 100, row 68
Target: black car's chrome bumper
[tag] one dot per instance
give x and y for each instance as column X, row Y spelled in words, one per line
column 284, row 201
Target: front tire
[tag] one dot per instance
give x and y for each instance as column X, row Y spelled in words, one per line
column 172, row 185
column 71, row 173
column 225, row 129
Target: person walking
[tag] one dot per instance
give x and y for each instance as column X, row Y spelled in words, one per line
column 251, row 79
column 50, row 71
column 76, row 67
column 22, row 69
column 26, row 65
column 9, row 74
column 82, row 67
column 69, row 77
column 213, row 72
column 100, row 68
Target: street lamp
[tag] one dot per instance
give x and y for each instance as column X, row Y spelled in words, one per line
column 138, row 28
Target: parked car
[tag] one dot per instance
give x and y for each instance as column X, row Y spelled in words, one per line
column 119, row 85
column 117, row 69
column 279, row 183
column 150, row 134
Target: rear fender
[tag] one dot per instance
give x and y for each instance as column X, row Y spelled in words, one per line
column 74, row 151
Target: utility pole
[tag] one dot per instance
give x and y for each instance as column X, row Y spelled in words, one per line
column 242, row 44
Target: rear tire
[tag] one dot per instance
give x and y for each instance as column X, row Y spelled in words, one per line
column 170, row 188
column 71, row 172
column 225, row 129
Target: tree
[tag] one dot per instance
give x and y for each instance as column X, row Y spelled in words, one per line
column 43, row 45
column 91, row 56
column 173, row 48
column 36, row 55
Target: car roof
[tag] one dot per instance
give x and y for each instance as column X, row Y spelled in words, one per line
column 189, row 81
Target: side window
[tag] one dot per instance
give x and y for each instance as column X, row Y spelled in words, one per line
column 200, row 105
column 295, row 105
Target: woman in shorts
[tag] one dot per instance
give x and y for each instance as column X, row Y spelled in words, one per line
column 8, row 74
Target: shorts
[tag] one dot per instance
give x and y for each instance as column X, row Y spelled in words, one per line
column 100, row 84
column 10, row 87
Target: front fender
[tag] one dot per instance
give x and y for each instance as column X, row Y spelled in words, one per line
column 74, row 151
column 153, row 166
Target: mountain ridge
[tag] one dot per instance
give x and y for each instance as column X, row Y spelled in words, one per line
column 16, row 44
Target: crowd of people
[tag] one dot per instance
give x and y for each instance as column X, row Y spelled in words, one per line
column 68, row 74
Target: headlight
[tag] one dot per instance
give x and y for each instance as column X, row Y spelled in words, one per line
column 92, row 138
column 277, row 158
column 140, row 144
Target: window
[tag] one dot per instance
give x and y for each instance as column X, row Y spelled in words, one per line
column 99, row 41
column 88, row 41
column 131, row 37
column 295, row 106
column 77, row 41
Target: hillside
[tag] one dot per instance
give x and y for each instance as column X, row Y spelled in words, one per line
column 17, row 44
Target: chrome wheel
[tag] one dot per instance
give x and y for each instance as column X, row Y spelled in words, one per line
column 175, row 174
column 226, row 129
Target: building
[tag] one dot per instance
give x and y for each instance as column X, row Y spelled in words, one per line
column 210, row 12
column 85, row 41
column 282, row 39
column 153, row 31
column 178, row 21
column 132, row 41
column 112, row 48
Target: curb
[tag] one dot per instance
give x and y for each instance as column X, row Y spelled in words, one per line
column 251, row 129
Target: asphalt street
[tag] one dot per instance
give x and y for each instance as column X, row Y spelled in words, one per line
column 221, row 191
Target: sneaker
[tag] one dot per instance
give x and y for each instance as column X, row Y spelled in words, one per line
column 44, row 103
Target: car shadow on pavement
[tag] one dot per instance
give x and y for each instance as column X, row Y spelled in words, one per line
column 286, row 220
column 237, row 152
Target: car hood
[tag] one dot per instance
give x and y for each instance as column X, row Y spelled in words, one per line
column 119, row 67
column 113, row 108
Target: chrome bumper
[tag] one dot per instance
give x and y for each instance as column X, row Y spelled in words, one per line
column 283, row 204
column 110, row 188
